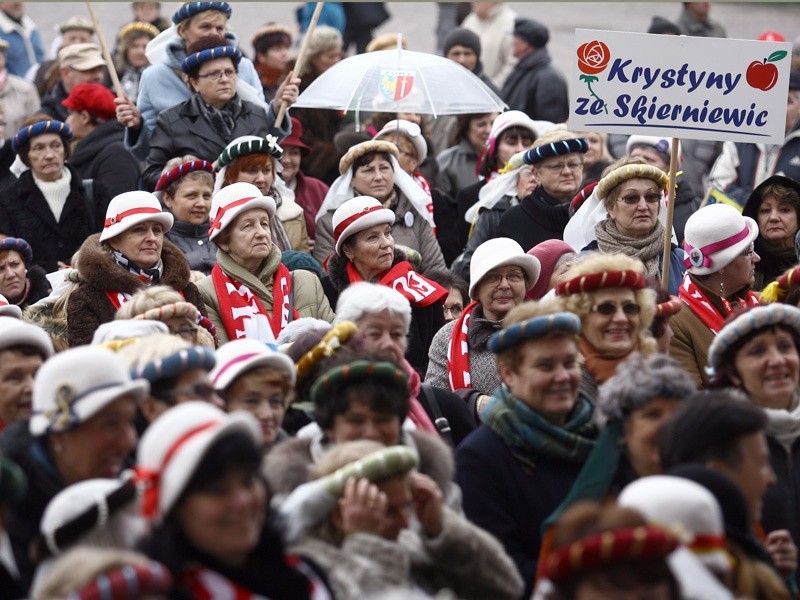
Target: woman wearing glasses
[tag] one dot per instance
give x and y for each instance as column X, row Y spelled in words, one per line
column 610, row 295
column 720, row 261
column 214, row 116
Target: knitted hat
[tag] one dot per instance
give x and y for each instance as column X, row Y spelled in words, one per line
column 295, row 138
column 29, row 132
column 548, row 253
column 74, row 385
column 15, row 332
column 237, row 357
column 273, row 34
column 137, row 27
column 355, row 372
column 501, row 252
column 190, row 9
column 170, row 176
column 358, row 214
column 714, row 236
column 233, row 200
column 295, row 260
column 626, row 172
column 20, row 245
column 606, row 279
column 172, row 365
column 750, row 323
column 13, row 483
column 533, row 328
column 131, row 208
column 198, row 58
column 94, row 98
column 461, row 36
column 363, row 148
column 532, row 31
column 412, row 131
column 9, row 310
column 130, row 582
column 175, row 443
column 81, row 57
column 663, row 26
column 166, row 312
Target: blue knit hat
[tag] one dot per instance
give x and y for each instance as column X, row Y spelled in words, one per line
column 535, row 327
column 196, row 357
column 28, row 132
column 194, row 60
column 20, row 246
column 190, row 9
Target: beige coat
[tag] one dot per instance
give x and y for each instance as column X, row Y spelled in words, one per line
column 293, row 219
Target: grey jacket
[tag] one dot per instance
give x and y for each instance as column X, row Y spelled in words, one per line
column 201, row 253
column 457, row 167
column 485, row 229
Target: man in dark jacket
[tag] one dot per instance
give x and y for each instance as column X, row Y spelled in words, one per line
column 535, row 86
column 100, row 154
column 78, row 63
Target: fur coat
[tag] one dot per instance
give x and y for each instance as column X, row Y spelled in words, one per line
column 89, row 307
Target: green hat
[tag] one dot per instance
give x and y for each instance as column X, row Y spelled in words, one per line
column 357, row 371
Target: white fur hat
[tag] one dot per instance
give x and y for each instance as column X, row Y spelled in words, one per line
column 411, row 130
column 130, row 208
column 74, row 385
column 9, row 310
column 174, row 445
column 239, row 356
column 358, row 214
column 234, row 199
column 501, row 252
column 15, row 332
column 714, row 236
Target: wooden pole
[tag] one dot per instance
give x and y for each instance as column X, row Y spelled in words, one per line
column 301, row 57
column 106, row 54
column 673, row 167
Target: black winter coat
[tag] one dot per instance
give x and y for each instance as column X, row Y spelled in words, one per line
column 537, row 218
column 102, row 156
column 781, row 502
column 537, row 88
column 24, row 213
column 465, row 198
column 192, row 240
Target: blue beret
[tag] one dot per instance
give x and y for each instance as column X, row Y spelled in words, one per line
column 534, row 155
column 20, row 246
column 25, row 134
column 196, row 357
column 190, row 9
column 196, row 59
column 535, row 327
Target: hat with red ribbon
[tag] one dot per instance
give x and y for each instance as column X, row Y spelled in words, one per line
column 605, row 279
column 233, row 200
column 358, row 214
column 131, row 208
column 714, row 236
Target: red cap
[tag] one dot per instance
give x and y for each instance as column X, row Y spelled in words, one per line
column 94, row 98
column 294, row 138
column 771, row 36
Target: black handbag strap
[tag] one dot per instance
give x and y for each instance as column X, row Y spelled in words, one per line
column 439, row 420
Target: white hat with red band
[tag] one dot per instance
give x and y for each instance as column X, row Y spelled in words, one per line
column 358, row 214
column 233, row 200
column 714, row 236
column 175, row 444
column 239, row 356
column 131, row 208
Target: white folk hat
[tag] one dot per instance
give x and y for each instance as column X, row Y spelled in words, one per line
column 410, row 130
column 501, row 252
column 74, row 385
column 233, row 200
column 15, row 332
column 131, row 208
column 358, row 214
column 9, row 310
column 175, row 443
column 239, row 356
column 714, row 236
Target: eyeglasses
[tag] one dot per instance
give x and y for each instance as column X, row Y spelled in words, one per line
column 496, row 278
column 188, row 333
column 634, row 199
column 573, row 166
column 749, row 251
column 456, row 309
column 608, row 309
column 217, row 75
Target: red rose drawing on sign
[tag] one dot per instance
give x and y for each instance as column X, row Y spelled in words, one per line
column 593, row 58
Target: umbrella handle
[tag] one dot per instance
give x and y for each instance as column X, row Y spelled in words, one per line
column 301, row 58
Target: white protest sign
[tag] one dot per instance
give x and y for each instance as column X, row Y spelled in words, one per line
column 679, row 86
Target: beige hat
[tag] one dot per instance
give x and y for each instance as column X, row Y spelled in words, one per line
column 81, row 23
column 81, row 57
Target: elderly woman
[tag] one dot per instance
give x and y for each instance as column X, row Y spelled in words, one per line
column 255, row 160
column 609, row 293
column 128, row 255
column 21, row 282
column 84, row 404
column 199, row 466
column 250, row 293
column 363, row 539
column 411, row 143
column 720, row 265
column 775, row 206
column 252, row 377
column 597, row 157
column 500, row 274
column 130, row 59
column 185, row 188
column 537, row 432
column 372, row 169
column 458, row 164
column 47, row 205
column 272, row 45
column 214, row 116
column 758, row 352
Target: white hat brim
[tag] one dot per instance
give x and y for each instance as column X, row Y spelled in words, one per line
column 264, row 202
column 165, row 219
column 276, row 360
column 378, row 217
column 11, row 310
column 725, row 257
column 529, row 264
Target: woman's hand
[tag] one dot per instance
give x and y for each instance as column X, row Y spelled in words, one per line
column 363, row 507
column 127, row 113
column 287, row 92
column 783, row 551
column 427, row 499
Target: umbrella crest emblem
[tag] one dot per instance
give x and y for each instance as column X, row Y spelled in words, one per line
column 396, row 85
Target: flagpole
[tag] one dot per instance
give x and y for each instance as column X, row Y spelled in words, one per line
column 673, row 167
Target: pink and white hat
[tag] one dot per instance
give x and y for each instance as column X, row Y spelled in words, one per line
column 239, row 356
column 358, row 214
column 131, row 208
column 174, row 445
column 233, row 200
column 714, row 236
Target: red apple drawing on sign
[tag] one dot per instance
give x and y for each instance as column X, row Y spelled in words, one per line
column 764, row 75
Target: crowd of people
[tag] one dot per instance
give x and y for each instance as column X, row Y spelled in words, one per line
column 249, row 356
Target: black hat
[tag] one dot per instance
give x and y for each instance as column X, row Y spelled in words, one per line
column 662, row 25
column 532, row 31
column 461, row 36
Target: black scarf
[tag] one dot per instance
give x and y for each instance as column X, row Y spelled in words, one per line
column 222, row 120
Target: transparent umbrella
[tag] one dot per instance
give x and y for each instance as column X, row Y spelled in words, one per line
column 400, row 81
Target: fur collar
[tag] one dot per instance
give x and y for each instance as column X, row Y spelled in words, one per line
column 98, row 269
column 337, row 269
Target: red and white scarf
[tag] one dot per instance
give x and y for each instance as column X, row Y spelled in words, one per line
column 117, row 298
column 238, row 305
column 458, row 351
column 700, row 305
column 419, row 290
